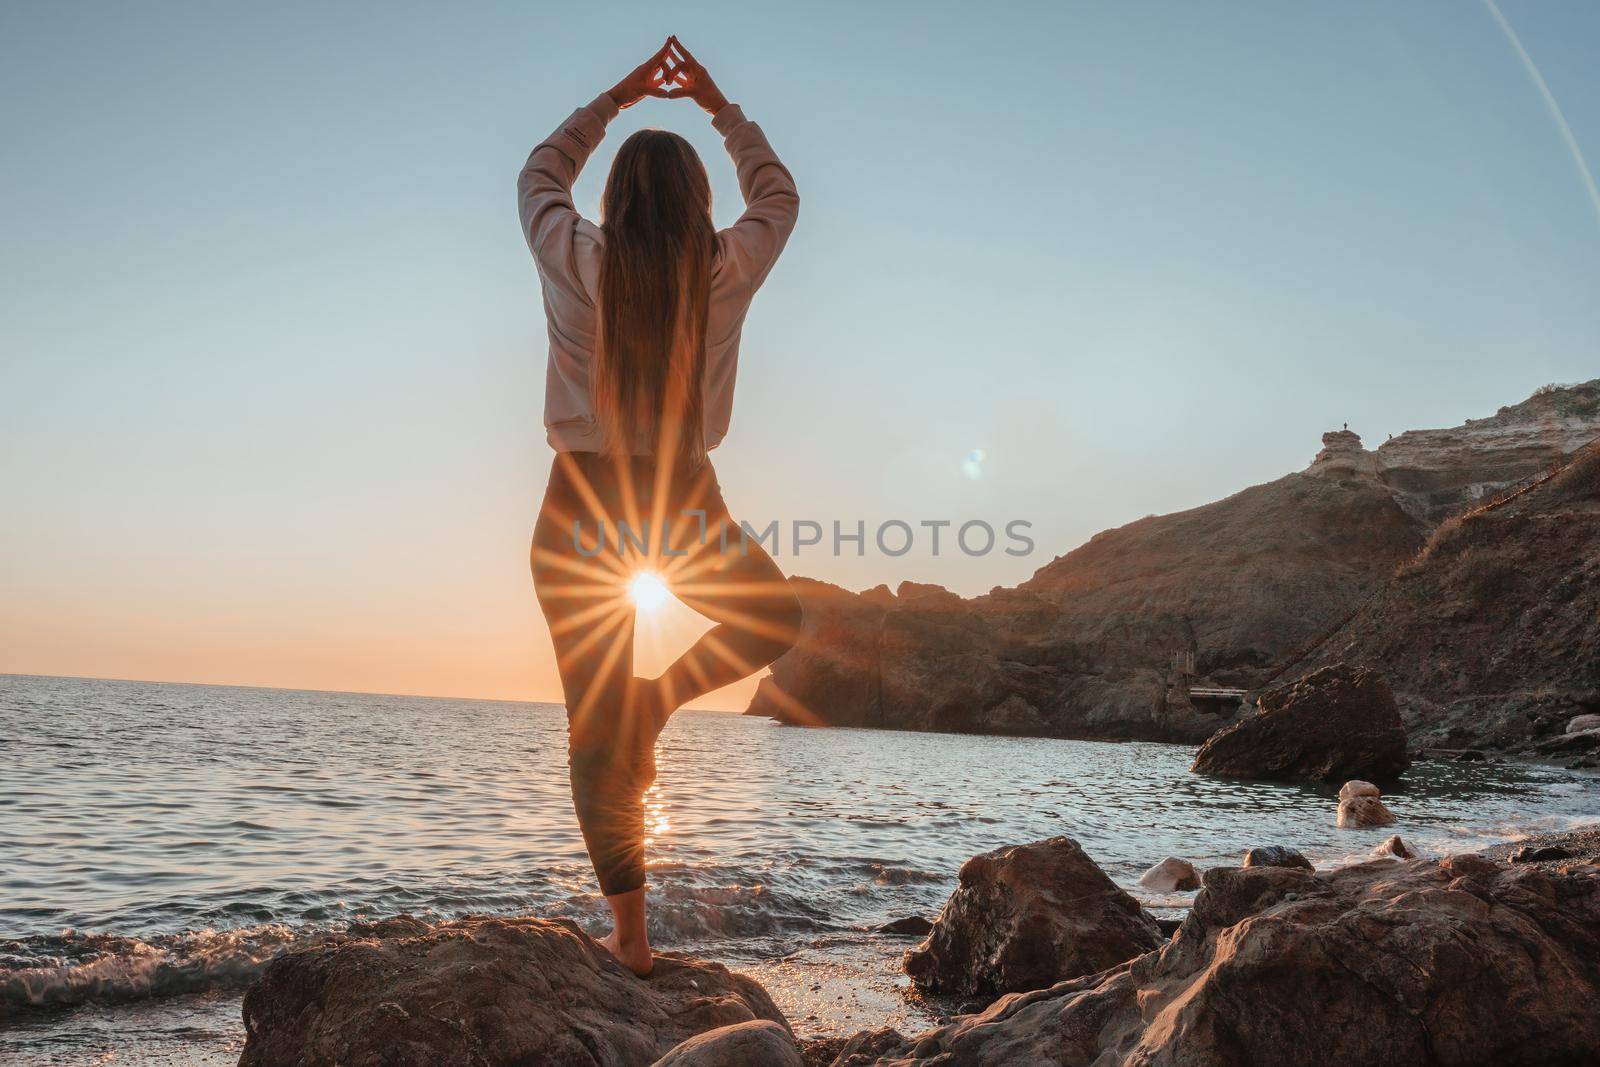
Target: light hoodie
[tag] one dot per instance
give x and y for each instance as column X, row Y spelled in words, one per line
column 567, row 248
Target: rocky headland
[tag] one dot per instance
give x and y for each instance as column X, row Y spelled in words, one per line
column 1340, row 562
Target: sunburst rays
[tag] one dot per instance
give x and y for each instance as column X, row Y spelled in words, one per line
column 643, row 533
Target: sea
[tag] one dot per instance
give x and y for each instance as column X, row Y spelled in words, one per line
column 160, row 843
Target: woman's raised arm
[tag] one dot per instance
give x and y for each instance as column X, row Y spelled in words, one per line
column 544, row 187
column 751, row 245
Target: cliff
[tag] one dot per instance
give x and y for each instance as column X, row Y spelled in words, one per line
column 1490, row 637
column 1093, row 643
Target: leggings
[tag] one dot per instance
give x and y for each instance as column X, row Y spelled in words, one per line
column 603, row 519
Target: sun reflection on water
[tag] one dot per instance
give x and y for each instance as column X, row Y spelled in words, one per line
column 657, row 821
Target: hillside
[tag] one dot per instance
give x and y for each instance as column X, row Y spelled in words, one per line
column 1240, row 582
column 1490, row 638
column 1098, row 642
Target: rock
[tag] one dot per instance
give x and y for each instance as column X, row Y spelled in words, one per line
column 1536, row 854
column 1458, row 755
column 821, row 1051
column 1338, row 722
column 867, row 1046
column 1364, row 811
column 1025, row 917
column 1581, row 845
column 1359, row 805
column 484, row 991
column 1171, row 875
column 1437, row 473
column 759, row 1041
column 1455, row 962
column 1393, row 846
column 910, row 926
column 1342, row 454
column 1276, row 856
column 1583, row 741
column 1168, row 927
column 926, row 659
column 1490, row 636
column 1014, row 715
column 1357, row 788
column 1580, row 723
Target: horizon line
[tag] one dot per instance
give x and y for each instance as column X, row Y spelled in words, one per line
column 304, row 689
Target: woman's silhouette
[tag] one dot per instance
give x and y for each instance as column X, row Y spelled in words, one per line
column 645, row 313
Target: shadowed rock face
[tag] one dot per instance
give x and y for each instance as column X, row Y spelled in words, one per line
column 1026, row 917
column 1491, row 637
column 1337, row 723
column 1436, row 473
column 1462, row 961
column 484, row 991
column 1242, row 582
column 923, row 658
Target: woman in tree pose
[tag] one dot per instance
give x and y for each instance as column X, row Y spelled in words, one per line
column 645, row 312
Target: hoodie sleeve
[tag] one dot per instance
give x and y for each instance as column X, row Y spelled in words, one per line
column 544, row 188
column 751, row 246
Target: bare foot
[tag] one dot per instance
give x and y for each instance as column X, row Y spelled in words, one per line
column 635, row 956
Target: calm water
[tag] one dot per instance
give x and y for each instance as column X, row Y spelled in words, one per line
column 157, row 842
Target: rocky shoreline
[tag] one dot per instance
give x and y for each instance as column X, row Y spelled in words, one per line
column 1465, row 959
column 1477, row 958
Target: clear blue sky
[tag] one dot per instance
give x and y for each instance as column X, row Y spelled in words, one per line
column 273, row 348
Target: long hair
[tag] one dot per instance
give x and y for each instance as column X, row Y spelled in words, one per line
column 655, row 289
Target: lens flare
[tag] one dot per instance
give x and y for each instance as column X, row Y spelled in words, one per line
column 648, row 591
column 972, row 466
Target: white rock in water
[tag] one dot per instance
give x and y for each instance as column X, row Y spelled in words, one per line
column 1355, row 787
column 1395, row 847
column 1171, row 875
column 1364, row 810
column 1582, row 723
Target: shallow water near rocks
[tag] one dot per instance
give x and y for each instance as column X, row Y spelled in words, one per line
column 161, row 841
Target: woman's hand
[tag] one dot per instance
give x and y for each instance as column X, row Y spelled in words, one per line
column 644, row 80
column 687, row 78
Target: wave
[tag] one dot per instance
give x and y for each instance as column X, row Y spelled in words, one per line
column 56, row 971
column 685, row 914
column 70, row 968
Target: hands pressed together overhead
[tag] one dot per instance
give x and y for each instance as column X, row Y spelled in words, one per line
column 671, row 73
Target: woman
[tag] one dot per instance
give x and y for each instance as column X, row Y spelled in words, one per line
column 645, row 313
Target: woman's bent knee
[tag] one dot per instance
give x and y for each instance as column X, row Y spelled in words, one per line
column 783, row 620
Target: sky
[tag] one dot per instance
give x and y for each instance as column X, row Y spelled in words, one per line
column 272, row 349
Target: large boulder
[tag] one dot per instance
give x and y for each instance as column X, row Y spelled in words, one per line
column 478, row 992
column 1338, row 722
column 1028, row 916
column 1463, row 961
column 759, row 1041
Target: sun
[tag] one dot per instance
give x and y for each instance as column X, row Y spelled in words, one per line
column 648, row 591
